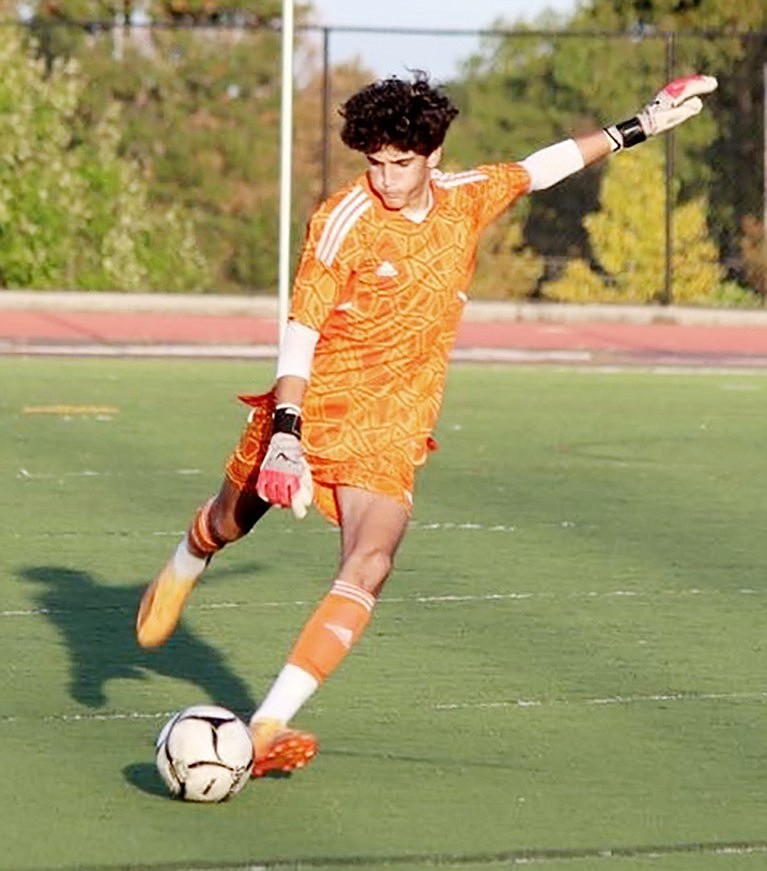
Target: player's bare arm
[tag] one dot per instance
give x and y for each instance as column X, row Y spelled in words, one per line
column 290, row 390
column 285, row 478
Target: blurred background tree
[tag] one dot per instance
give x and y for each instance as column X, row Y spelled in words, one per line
column 628, row 243
column 731, row 135
column 200, row 112
column 199, row 91
column 73, row 210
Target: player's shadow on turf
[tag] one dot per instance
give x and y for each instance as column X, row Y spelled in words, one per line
column 97, row 622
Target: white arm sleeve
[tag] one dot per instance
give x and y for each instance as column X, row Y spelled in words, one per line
column 297, row 350
column 553, row 163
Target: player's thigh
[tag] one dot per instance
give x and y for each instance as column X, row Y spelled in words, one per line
column 372, row 527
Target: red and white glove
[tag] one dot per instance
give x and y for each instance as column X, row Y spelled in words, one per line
column 285, row 478
column 677, row 102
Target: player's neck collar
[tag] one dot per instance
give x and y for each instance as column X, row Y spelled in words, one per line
column 417, row 216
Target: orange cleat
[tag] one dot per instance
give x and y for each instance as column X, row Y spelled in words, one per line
column 161, row 605
column 280, row 748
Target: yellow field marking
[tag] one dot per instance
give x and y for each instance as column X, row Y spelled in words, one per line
column 70, row 409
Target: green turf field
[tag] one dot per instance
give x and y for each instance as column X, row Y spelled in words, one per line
column 567, row 669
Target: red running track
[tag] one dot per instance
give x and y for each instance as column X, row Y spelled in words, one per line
column 23, row 331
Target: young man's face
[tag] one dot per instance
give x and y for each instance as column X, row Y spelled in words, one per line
column 401, row 178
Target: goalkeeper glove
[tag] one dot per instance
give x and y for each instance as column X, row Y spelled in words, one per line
column 677, row 102
column 285, row 478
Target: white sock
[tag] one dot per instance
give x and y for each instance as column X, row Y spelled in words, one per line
column 186, row 564
column 290, row 691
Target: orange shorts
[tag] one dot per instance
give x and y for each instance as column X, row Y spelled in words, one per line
column 378, row 474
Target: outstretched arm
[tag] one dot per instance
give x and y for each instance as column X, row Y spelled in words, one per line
column 677, row 102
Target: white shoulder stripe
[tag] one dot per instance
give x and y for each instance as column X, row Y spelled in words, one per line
column 340, row 221
column 456, row 179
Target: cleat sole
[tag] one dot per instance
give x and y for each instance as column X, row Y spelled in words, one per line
column 287, row 754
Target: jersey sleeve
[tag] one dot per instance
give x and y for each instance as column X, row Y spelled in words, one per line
column 328, row 258
column 502, row 184
column 317, row 285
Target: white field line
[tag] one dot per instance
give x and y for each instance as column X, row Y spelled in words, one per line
column 444, row 599
column 91, row 717
column 25, row 475
column 512, row 858
column 446, row 707
column 287, row 529
column 522, row 858
column 602, row 702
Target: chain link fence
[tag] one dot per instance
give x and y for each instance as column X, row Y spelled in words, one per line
column 679, row 220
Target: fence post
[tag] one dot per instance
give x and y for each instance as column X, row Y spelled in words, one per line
column 326, row 84
column 764, row 179
column 668, row 147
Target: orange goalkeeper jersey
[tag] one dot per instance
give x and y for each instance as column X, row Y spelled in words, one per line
column 386, row 295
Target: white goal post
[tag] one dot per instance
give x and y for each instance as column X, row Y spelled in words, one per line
column 286, row 164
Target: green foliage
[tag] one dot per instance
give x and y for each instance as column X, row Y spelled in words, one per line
column 200, row 114
column 724, row 163
column 200, row 121
column 198, row 11
column 510, row 100
column 628, row 240
column 754, row 252
column 531, row 86
column 506, row 267
column 201, row 111
column 669, row 15
column 73, row 213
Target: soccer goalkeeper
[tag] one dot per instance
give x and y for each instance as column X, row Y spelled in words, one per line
column 378, row 295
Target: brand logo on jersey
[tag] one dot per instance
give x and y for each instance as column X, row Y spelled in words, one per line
column 386, row 270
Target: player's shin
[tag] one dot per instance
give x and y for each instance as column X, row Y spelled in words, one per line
column 333, row 629
column 326, row 639
column 324, row 642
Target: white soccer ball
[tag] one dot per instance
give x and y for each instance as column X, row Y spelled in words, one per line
column 204, row 753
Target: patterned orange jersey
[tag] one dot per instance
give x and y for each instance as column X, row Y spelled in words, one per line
column 386, row 296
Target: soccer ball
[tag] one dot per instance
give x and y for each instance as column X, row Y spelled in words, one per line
column 204, row 753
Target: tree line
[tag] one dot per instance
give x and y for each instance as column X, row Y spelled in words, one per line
column 142, row 148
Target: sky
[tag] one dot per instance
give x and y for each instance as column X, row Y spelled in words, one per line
column 388, row 54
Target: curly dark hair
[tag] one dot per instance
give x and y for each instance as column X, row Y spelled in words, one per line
column 411, row 116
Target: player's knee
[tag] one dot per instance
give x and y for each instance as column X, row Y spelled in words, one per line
column 367, row 569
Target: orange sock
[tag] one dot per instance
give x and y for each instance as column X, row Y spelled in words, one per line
column 201, row 533
column 330, row 633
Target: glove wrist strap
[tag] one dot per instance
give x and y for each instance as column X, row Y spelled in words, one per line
column 287, row 419
column 625, row 134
